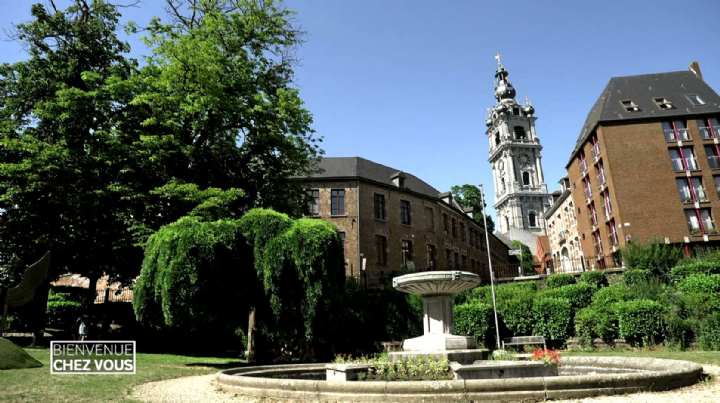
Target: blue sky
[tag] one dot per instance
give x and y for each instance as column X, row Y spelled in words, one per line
column 407, row 83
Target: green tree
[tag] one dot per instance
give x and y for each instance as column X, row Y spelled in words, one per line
column 526, row 257
column 62, row 146
column 469, row 197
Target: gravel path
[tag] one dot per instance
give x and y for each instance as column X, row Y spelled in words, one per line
column 202, row 389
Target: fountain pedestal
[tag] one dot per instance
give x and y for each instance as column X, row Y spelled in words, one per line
column 437, row 289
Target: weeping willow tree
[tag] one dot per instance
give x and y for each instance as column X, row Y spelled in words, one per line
column 198, row 274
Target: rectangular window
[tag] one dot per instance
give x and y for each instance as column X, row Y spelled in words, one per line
column 379, row 206
column 675, row 130
column 630, row 106
column 597, row 243
column 613, row 233
column 601, row 174
column 337, row 202
column 342, row 237
column 663, row 103
column 607, row 205
column 381, row 250
column 405, row 213
column 454, row 228
column 314, row 201
column 709, row 128
column 691, row 190
column 595, row 147
column 456, row 259
column 717, row 184
column 463, row 236
column 430, row 218
column 472, row 237
column 695, row 99
column 464, row 262
column 448, row 258
column 407, row 253
column 713, row 156
column 583, row 163
column 593, row 215
column 700, row 221
column 431, row 257
column 683, row 159
column 586, row 186
column 445, row 223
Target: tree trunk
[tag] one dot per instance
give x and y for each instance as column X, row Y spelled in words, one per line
column 3, row 309
column 40, row 313
column 250, row 351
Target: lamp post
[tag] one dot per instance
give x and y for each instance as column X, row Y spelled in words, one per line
column 492, row 276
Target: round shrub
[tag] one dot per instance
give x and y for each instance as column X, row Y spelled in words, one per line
column 596, row 279
column 579, row 295
column 552, row 319
column 678, row 331
column 609, row 295
column 474, row 319
column 585, row 321
column 710, row 333
column 559, row 280
column 517, row 314
column 636, row 277
column 595, row 322
column 700, row 283
column 640, row 321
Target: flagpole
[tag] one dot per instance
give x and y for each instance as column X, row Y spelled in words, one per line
column 492, row 276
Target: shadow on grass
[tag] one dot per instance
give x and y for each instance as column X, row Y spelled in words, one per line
column 218, row 365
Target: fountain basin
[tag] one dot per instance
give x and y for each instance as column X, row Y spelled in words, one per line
column 503, row 369
column 578, row 377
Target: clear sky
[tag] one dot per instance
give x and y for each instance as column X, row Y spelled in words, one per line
column 407, row 83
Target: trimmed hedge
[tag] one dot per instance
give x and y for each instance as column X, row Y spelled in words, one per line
column 579, row 295
column 595, row 322
column 636, row 277
column 609, row 295
column 700, row 283
column 559, row 280
column 685, row 269
column 62, row 310
column 640, row 321
column 474, row 319
column 710, row 332
column 517, row 314
column 553, row 318
column 596, row 279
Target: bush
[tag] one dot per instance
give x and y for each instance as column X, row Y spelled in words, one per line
column 596, row 279
column 710, row 333
column 678, row 332
column 636, row 277
column 474, row 319
column 62, row 310
column 595, row 322
column 517, row 314
column 559, row 280
column 640, row 321
column 552, row 319
column 700, row 283
column 656, row 258
column 695, row 266
column 579, row 295
column 413, row 369
column 609, row 295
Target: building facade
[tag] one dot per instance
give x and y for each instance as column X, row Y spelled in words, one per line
column 521, row 196
column 562, row 232
column 646, row 165
column 392, row 222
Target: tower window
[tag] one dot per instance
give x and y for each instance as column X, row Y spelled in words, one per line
column 497, row 139
column 663, row 103
column 532, row 221
column 695, row 99
column 519, row 132
column 526, row 178
column 630, row 106
column 516, row 111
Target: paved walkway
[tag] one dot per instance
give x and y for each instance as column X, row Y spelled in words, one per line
column 202, row 389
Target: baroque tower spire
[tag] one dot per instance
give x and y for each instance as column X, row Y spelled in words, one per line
column 521, row 196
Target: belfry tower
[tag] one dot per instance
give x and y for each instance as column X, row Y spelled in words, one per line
column 521, row 196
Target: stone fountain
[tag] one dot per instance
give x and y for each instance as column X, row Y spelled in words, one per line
column 437, row 289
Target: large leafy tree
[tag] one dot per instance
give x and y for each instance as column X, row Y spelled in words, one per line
column 63, row 150
column 469, row 197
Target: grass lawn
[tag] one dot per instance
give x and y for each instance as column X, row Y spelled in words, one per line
column 37, row 385
column 701, row 357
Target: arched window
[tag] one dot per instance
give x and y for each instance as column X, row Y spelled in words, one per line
column 502, row 185
column 532, row 222
column 507, row 223
column 526, row 178
column 519, row 132
column 497, row 139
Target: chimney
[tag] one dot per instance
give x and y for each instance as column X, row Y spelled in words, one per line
column 695, row 68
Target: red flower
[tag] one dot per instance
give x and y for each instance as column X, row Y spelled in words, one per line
column 547, row 355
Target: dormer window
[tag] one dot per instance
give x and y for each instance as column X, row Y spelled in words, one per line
column 695, row 99
column 663, row 103
column 399, row 180
column 630, row 106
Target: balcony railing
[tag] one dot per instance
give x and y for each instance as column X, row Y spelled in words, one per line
column 709, row 132
column 689, row 164
column 714, row 161
column 676, row 135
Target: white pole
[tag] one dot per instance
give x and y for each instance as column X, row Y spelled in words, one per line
column 492, row 276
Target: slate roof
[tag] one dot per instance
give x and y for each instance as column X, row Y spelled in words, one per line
column 356, row 167
column 642, row 89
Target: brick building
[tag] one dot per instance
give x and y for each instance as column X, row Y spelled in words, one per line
column 393, row 221
column 562, row 232
column 646, row 165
